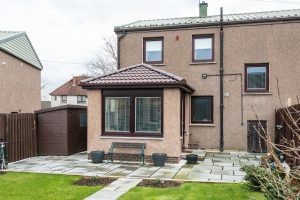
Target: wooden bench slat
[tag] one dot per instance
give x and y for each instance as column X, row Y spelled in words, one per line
column 140, row 146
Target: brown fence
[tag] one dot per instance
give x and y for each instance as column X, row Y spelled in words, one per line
column 287, row 131
column 19, row 131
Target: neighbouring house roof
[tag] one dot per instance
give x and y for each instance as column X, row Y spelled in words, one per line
column 137, row 76
column 254, row 17
column 71, row 88
column 19, row 45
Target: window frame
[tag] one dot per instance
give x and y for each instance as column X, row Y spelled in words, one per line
column 82, row 124
column 132, row 94
column 201, row 36
column 149, row 39
column 81, row 102
column 211, row 110
column 256, row 90
column 62, row 98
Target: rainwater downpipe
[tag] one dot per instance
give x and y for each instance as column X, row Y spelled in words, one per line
column 118, row 48
column 221, row 82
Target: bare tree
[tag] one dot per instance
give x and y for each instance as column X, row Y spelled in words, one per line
column 283, row 181
column 44, row 88
column 105, row 60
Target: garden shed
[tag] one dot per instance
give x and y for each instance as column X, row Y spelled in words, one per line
column 61, row 130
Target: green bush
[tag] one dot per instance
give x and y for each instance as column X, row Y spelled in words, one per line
column 255, row 176
column 272, row 183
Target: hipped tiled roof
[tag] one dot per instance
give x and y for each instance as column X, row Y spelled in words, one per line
column 71, row 88
column 137, row 75
column 254, row 17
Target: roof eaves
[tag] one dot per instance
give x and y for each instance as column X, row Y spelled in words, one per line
column 181, row 85
column 34, row 51
column 208, row 24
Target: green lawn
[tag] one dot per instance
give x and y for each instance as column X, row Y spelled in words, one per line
column 29, row 186
column 194, row 191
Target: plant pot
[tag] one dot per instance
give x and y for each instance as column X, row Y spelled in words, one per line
column 97, row 156
column 159, row 159
column 192, row 158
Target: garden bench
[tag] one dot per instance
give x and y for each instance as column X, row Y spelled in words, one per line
column 140, row 146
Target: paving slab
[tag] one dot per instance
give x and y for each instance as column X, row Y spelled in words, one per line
column 216, row 164
column 114, row 190
column 234, row 178
column 221, row 172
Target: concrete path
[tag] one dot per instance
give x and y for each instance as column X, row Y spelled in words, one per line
column 216, row 167
column 115, row 189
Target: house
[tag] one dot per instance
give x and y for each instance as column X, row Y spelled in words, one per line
column 200, row 85
column 20, row 74
column 70, row 93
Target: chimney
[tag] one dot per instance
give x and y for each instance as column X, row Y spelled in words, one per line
column 74, row 81
column 203, row 9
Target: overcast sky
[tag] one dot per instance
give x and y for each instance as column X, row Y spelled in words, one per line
column 72, row 31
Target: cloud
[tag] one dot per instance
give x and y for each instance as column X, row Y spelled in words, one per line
column 72, row 30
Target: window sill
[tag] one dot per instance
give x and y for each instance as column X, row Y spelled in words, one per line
column 257, row 93
column 131, row 138
column 203, row 125
column 203, row 63
column 159, row 64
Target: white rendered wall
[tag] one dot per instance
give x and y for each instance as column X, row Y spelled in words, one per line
column 71, row 100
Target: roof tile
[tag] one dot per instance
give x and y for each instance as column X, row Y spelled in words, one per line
column 71, row 88
column 141, row 74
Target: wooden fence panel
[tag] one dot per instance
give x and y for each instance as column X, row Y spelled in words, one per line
column 287, row 134
column 19, row 131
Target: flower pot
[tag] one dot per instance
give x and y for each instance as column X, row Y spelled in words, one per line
column 192, row 158
column 97, row 156
column 159, row 159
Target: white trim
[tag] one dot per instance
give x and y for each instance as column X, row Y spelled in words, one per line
column 204, row 125
column 130, row 138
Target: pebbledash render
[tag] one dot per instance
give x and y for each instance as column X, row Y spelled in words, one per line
column 172, row 100
column 20, row 74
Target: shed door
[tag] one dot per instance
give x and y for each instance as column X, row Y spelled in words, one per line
column 255, row 142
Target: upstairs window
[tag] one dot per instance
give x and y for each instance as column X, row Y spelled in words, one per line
column 202, row 109
column 257, row 78
column 81, row 99
column 64, row 99
column 153, row 50
column 203, row 48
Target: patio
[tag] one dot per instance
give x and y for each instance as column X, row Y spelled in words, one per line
column 216, row 167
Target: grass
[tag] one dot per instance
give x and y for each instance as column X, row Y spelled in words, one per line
column 29, row 186
column 194, row 191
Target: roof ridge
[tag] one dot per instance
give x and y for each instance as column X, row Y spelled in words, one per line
column 108, row 74
column 210, row 16
column 163, row 72
column 11, row 37
column 177, row 78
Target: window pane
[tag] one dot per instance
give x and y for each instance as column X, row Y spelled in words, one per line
column 82, row 120
column 148, row 114
column 203, row 49
column 153, row 51
column 202, row 108
column 256, row 77
column 117, row 113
